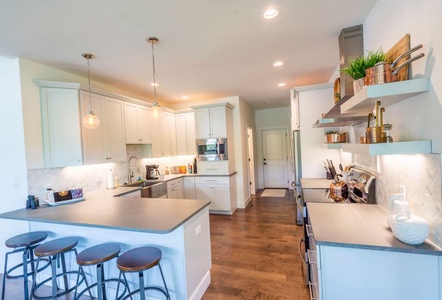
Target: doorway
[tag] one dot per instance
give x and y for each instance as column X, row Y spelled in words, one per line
column 251, row 161
column 275, row 159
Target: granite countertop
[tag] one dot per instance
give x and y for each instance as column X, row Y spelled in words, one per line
column 103, row 209
column 359, row 226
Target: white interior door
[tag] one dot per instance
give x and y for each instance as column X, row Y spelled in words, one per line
column 251, row 161
column 275, row 159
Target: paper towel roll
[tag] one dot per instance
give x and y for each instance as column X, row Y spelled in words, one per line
column 110, row 179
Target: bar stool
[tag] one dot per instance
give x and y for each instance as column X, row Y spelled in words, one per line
column 139, row 260
column 97, row 255
column 55, row 251
column 25, row 243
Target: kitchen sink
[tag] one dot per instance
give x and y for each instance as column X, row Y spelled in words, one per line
column 151, row 189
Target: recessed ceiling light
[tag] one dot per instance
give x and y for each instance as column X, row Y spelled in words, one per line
column 281, row 84
column 154, row 84
column 270, row 13
column 269, row 102
column 278, row 63
column 184, row 97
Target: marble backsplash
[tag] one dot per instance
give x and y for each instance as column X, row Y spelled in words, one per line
column 420, row 174
column 94, row 177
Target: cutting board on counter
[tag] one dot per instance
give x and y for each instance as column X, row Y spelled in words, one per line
column 402, row 46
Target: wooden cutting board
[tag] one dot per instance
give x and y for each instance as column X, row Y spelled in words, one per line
column 402, row 46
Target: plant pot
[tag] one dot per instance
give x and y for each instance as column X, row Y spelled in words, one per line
column 358, row 84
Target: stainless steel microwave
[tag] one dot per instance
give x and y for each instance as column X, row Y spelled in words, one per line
column 212, row 149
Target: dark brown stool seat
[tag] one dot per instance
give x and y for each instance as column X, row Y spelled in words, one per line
column 139, row 260
column 97, row 255
column 24, row 243
column 55, row 251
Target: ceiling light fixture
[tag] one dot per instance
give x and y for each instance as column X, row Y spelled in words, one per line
column 270, row 13
column 156, row 110
column 184, row 97
column 90, row 120
column 281, row 84
column 278, row 63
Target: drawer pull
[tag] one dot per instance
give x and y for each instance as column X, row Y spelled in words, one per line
column 212, row 169
column 310, row 257
column 308, row 228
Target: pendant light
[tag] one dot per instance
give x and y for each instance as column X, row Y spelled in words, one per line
column 90, row 120
column 156, row 110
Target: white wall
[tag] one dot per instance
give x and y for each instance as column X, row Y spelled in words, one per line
column 270, row 119
column 13, row 182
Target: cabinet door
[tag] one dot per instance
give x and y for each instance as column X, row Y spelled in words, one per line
column 61, row 122
column 204, row 192
column 172, row 193
column 218, row 127
column 115, row 142
column 190, row 133
column 130, row 122
column 221, row 197
column 181, row 134
column 143, row 129
column 155, row 138
column 202, row 123
column 94, row 143
column 172, row 129
column 165, row 145
column 189, row 188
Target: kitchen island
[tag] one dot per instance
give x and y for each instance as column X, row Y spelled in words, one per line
column 180, row 228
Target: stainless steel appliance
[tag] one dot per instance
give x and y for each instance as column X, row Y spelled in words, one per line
column 361, row 190
column 212, row 149
column 152, row 172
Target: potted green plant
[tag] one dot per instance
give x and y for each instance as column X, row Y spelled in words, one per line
column 332, row 136
column 357, row 66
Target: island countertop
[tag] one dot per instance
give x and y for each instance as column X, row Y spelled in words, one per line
column 103, row 210
column 359, row 226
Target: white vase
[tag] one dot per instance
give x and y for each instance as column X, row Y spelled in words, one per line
column 358, row 84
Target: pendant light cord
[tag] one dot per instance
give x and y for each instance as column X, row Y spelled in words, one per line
column 154, row 78
column 89, row 83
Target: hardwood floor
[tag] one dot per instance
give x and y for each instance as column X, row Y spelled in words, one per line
column 255, row 252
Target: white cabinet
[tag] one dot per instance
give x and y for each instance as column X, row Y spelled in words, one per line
column 175, row 189
column 365, row 274
column 162, row 133
column 106, row 143
column 185, row 133
column 60, row 114
column 136, row 120
column 66, row 142
column 211, row 122
column 189, row 188
column 220, row 190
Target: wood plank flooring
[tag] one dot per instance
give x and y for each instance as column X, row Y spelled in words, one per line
column 255, row 252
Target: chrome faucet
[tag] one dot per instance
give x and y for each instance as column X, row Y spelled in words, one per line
column 131, row 172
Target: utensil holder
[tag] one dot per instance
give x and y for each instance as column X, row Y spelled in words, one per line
column 373, row 135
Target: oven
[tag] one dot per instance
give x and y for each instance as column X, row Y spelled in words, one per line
column 361, row 190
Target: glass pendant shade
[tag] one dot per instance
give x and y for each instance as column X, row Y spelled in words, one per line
column 90, row 120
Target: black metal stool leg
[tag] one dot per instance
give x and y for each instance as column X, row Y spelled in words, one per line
column 25, row 272
column 142, row 291
column 5, row 274
column 164, row 281
column 54, row 278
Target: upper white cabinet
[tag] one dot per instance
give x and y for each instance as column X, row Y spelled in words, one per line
column 162, row 132
column 60, row 111
column 136, row 120
column 185, row 133
column 211, row 122
column 66, row 142
column 105, row 143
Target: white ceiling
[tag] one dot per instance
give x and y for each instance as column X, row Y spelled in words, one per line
column 208, row 49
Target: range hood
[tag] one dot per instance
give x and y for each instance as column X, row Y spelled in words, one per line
column 335, row 118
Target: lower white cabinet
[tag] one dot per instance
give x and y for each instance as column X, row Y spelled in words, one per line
column 220, row 190
column 175, row 189
column 189, row 188
column 366, row 274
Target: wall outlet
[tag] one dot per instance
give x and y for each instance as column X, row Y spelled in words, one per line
column 197, row 230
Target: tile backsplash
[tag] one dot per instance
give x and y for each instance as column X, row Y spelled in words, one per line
column 420, row 174
column 94, row 177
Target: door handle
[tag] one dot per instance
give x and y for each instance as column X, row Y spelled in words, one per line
column 265, row 163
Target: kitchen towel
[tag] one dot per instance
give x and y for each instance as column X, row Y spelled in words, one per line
column 273, row 193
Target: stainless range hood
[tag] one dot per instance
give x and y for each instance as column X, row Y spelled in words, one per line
column 335, row 118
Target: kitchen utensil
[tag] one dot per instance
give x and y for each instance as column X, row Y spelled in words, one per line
column 384, row 72
column 378, row 104
column 338, row 189
column 332, row 169
column 373, row 135
column 386, row 129
column 381, row 122
column 341, row 168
